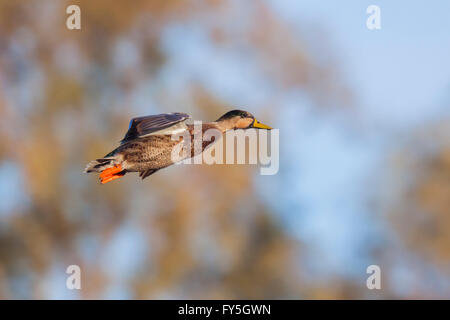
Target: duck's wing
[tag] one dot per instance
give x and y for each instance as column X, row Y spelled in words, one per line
column 165, row 123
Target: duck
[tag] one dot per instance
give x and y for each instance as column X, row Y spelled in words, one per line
column 148, row 144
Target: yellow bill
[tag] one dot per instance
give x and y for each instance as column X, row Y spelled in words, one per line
column 259, row 125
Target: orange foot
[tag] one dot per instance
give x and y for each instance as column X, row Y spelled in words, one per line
column 111, row 174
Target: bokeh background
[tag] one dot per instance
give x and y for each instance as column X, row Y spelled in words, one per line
column 364, row 149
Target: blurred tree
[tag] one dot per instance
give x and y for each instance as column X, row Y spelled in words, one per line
column 416, row 202
column 66, row 97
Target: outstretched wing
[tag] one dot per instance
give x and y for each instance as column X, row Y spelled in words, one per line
column 143, row 126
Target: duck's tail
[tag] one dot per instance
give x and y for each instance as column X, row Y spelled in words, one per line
column 108, row 167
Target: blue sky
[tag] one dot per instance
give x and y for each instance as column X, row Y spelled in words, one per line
column 400, row 73
column 401, row 78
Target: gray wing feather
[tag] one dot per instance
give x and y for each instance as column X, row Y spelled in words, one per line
column 142, row 126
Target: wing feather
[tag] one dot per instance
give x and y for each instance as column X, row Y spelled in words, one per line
column 142, row 126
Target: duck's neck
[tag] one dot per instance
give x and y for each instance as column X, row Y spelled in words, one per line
column 210, row 125
column 223, row 125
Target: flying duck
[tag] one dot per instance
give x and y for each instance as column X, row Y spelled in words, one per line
column 148, row 144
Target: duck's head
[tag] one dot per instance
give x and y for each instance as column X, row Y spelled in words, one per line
column 238, row 119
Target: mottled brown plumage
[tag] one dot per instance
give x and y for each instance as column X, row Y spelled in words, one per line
column 150, row 141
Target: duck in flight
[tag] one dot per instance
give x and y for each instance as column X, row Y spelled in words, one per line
column 148, row 144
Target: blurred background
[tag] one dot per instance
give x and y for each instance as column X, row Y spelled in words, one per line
column 364, row 149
